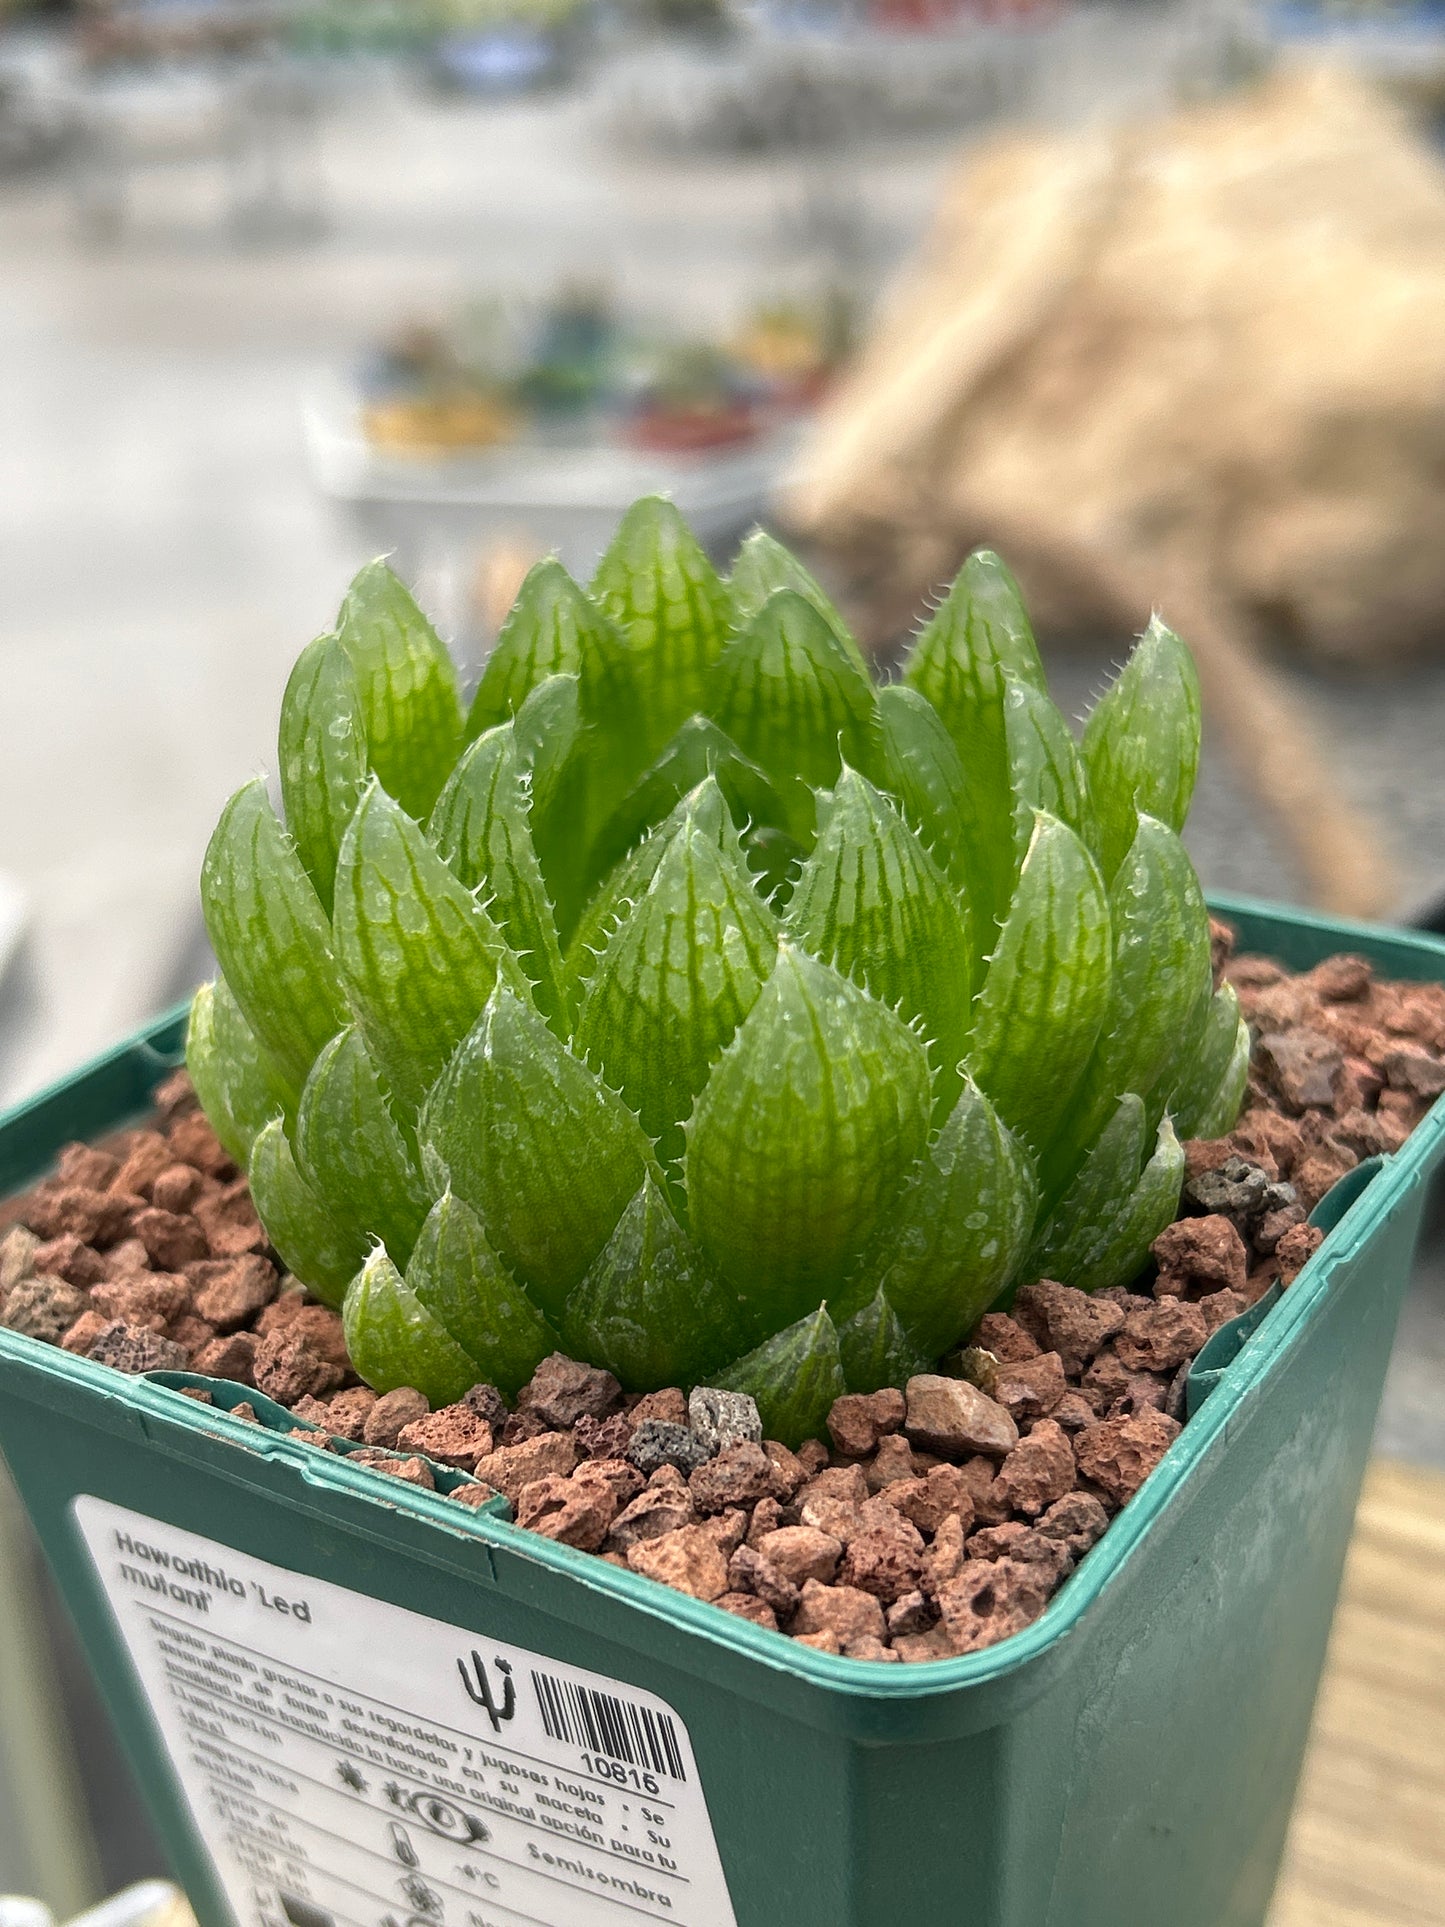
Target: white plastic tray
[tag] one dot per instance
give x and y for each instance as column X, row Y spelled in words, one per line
column 559, row 498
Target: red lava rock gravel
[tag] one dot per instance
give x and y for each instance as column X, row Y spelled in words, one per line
column 936, row 1518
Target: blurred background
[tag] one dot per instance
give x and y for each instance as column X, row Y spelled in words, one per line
column 1151, row 296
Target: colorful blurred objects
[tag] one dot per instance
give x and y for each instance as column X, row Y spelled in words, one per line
column 470, row 45
column 574, row 369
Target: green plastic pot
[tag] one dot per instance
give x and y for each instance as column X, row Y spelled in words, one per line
column 1132, row 1756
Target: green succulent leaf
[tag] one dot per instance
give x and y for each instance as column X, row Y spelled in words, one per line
column 698, row 750
column 1207, row 1092
column 418, row 952
column 544, row 635
column 1087, row 1216
column 764, row 566
column 1141, row 743
column 552, row 737
column 1221, row 1113
column 1159, row 986
column 925, row 773
column 803, row 1135
column 1149, row 1209
column 627, row 882
column 651, row 1309
column 407, row 686
column 394, row 1340
column 978, row 636
column 350, row 1151
column 322, row 754
column 794, row 1378
column 876, row 1350
column 548, row 730
column 790, row 695
column 657, row 584
column 238, row 1088
column 322, row 1249
column 675, row 980
column 580, row 767
column 460, row 1281
column 1038, row 1015
column 482, row 827
column 271, row 936
column 872, row 902
column 614, row 750
column 537, row 1145
column 980, row 631
column 958, row 1234
column 1046, row 771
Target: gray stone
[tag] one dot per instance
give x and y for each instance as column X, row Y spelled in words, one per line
column 1236, row 1190
column 723, row 1418
column 43, row 1308
column 655, row 1443
column 131, row 1348
column 487, row 1402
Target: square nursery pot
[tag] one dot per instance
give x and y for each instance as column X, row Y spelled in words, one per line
column 353, row 1702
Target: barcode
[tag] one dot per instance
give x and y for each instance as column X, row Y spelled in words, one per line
column 601, row 1723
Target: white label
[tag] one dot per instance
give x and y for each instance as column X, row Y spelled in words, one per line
column 350, row 1764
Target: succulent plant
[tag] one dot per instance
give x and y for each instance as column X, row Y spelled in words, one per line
column 694, row 1004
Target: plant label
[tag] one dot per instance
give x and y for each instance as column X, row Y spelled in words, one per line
column 351, row 1764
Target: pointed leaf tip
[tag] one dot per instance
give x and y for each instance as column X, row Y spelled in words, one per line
column 871, row 901
column 323, row 757
column 1159, row 988
column 1149, row 1209
column 959, row 1231
column 803, row 1134
column 1038, row 1015
column 461, row 1282
column 320, row 1247
column 419, row 954
column 544, row 1153
column 352, row 1152
column 764, row 565
column 977, row 639
column 545, row 633
column 651, row 1309
column 482, row 826
column 790, row 695
column 656, row 583
column 1141, row 742
column 678, row 975
column 407, row 687
column 393, row 1339
column 1208, row 1081
column 875, row 1349
column 793, row 1377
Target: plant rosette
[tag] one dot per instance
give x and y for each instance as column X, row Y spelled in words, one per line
column 693, row 1005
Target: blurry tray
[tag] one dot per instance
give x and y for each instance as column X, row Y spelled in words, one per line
column 559, row 497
